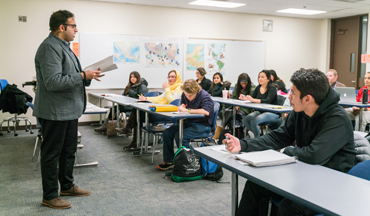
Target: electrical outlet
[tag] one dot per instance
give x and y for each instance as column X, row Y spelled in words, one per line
column 22, row 18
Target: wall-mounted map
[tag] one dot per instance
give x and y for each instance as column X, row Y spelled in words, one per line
column 194, row 56
column 126, row 52
column 215, row 56
column 162, row 54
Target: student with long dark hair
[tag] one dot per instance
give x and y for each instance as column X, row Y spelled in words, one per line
column 279, row 83
column 136, row 86
column 218, row 85
column 265, row 92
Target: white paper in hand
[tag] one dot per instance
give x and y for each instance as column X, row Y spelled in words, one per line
column 104, row 65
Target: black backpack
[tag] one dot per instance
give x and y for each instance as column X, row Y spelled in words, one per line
column 187, row 165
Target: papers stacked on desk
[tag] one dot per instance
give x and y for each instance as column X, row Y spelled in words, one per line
column 265, row 158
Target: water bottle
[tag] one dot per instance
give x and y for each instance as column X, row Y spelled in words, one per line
column 365, row 96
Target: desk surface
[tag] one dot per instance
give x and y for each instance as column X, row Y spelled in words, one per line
column 92, row 109
column 322, row 189
column 257, row 106
column 357, row 104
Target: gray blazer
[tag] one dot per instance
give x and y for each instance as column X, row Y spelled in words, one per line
column 60, row 94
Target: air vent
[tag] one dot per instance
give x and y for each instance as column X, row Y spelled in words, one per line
column 349, row 1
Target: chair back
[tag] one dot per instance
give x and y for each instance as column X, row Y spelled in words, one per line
column 176, row 102
column 280, row 100
column 361, row 170
column 151, row 94
column 216, row 108
column 3, row 83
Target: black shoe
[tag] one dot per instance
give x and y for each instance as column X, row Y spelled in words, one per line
column 101, row 129
column 165, row 166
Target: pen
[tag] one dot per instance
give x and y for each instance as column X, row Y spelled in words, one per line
column 138, row 95
column 226, row 142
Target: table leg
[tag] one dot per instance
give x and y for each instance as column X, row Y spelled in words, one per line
column 118, row 112
column 234, row 193
column 100, row 119
column 360, row 119
column 138, row 127
column 234, row 117
column 147, row 134
column 181, row 122
column 223, row 115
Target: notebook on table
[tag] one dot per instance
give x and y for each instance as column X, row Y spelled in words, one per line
column 347, row 94
column 265, row 158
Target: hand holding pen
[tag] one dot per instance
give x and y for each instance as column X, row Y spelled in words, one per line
column 182, row 108
column 141, row 97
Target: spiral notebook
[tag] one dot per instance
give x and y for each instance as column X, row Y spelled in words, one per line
column 265, row 158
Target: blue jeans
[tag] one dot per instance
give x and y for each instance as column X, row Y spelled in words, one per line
column 254, row 119
column 190, row 131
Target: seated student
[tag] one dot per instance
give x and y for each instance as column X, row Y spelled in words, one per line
column 136, row 86
column 332, row 76
column 172, row 91
column 323, row 134
column 279, row 83
column 265, row 92
column 193, row 100
column 243, row 86
column 218, row 85
column 202, row 80
column 353, row 112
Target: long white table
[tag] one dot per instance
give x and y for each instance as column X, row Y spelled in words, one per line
column 322, row 189
column 248, row 104
column 356, row 104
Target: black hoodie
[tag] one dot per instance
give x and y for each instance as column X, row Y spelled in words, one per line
column 326, row 138
column 138, row 89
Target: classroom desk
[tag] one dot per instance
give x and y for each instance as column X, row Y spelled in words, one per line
column 357, row 104
column 101, row 97
column 256, row 106
column 169, row 115
column 120, row 100
column 322, row 189
column 90, row 109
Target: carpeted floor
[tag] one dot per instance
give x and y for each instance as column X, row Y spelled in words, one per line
column 120, row 185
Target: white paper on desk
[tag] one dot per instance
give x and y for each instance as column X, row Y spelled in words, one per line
column 105, row 65
column 266, row 158
column 222, row 149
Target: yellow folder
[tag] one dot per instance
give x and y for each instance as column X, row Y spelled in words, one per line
column 165, row 108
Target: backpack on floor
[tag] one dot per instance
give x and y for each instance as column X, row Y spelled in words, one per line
column 187, row 166
column 211, row 171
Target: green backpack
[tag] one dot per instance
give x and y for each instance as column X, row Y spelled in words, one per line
column 187, row 166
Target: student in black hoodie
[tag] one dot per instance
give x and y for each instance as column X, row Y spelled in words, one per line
column 323, row 134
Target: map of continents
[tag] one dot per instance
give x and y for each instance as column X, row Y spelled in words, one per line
column 216, row 58
column 126, row 52
column 194, row 56
column 162, row 54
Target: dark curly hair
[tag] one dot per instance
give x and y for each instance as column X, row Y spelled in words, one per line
column 59, row 18
column 311, row 82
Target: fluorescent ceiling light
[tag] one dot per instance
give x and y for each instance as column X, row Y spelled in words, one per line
column 216, row 4
column 300, row 11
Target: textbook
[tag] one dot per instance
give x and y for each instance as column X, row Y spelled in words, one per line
column 265, row 158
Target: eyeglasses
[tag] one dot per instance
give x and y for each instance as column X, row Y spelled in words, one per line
column 171, row 77
column 72, row 25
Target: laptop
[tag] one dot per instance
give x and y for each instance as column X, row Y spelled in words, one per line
column 347, row 94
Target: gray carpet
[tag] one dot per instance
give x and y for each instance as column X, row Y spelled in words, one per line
column 120, row 185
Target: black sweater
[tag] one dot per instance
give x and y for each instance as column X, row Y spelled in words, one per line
column 205, row 84
column 281, row 86
column 326, row 138
column 269, row 97
column 217, row 89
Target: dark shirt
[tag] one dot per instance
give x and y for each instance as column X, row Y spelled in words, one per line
column 205, row 84
column 281, row 86
column 138, row 89
column 269, row 97
column 326, row 138
column 217, row 89
column 202, row 101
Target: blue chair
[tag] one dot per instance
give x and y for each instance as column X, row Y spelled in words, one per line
column 216, row 108
column 3, row 83
column 156, row 130
column 151, row 94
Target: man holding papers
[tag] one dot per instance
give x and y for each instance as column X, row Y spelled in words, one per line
column 321, row 128
column 60, row 100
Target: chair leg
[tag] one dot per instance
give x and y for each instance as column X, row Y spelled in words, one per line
column 154, row 147
column 34, row 150
column 142, row 142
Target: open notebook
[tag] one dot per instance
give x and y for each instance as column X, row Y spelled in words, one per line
column 265, row 158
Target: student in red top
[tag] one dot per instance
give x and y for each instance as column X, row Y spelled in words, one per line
column 354, row 111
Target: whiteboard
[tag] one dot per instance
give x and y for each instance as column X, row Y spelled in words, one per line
column 96, row 46
column 240, row 57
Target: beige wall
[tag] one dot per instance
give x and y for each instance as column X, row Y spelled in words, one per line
column 294, row 42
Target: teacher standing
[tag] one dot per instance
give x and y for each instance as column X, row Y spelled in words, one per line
column 60, row 100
